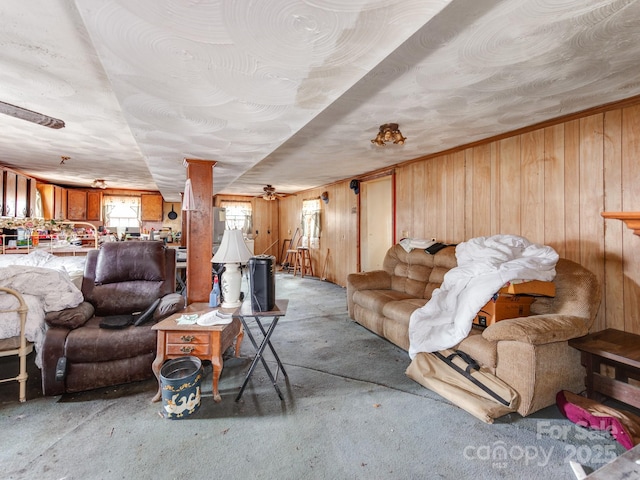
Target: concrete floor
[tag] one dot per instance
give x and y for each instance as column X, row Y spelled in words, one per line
column 349, row 412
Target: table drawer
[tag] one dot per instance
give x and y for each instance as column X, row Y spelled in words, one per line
column 188, row 349
column 188, row 337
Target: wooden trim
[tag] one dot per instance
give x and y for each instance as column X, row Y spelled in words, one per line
column 631, row 219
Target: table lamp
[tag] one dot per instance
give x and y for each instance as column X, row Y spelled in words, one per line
column 232, row 252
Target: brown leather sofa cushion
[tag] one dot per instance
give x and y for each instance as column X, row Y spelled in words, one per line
column 116, row 263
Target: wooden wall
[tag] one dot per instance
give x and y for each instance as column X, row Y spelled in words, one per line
column 549, row 184
column 339, row 230
column 265, row 222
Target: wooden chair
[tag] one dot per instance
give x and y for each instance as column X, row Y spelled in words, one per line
column 17, row 345
column 292, row 252
column 303, row 262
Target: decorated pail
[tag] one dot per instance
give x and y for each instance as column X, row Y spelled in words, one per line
column 180, row 379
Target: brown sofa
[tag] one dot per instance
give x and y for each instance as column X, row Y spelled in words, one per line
column 529, row 353
column 119, row 279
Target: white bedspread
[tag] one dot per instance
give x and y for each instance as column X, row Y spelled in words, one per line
column 485, row 264
column 44, row 290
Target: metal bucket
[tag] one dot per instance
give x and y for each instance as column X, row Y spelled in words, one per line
column 180, row 380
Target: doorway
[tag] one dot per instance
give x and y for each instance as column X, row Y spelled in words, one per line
column 376, row 221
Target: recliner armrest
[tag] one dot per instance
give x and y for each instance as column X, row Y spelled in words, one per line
column 70, row 317
column 537, row 329
column 375, row 280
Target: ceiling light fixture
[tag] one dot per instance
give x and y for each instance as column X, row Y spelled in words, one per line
column 389, row 132
column 30, row 116
column 99, row 183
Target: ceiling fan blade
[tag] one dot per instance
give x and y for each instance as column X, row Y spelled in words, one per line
column 30, row 116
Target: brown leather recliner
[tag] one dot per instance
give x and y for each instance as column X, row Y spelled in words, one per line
column 120, row 278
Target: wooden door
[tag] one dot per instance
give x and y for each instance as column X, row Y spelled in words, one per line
column 376, row 222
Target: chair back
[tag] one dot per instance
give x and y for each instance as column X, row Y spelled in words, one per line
column 124, row 277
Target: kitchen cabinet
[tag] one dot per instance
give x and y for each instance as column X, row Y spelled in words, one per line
column 22, row 196
column 76, row 204
column 151, row 208
column 33, row 189
column 10, row 187
column 54, row 201
column 94, row 206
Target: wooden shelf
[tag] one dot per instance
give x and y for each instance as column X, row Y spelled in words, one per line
column 632, row 219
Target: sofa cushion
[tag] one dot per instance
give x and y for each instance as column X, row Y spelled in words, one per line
column 94, row 344
column 401, row 310
column 375, row 300
column 118, row 263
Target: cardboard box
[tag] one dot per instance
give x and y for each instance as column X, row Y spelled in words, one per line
column 503, row 306
column 530, row 287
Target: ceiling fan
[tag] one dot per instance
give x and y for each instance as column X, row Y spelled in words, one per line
column 270, row 193
column 30, row 116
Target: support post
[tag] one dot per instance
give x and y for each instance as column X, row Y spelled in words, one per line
column 199, row 223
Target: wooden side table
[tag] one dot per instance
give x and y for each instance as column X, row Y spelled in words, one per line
column 620, row 350
column 204, row 342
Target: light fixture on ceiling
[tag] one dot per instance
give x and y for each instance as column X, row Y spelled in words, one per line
column 389, row 132
column 270, row 193
column 99, row 183
column 30, row 116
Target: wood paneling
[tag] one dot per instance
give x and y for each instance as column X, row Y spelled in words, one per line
column 548, row 184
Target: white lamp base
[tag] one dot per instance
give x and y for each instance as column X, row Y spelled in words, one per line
column 231, row 284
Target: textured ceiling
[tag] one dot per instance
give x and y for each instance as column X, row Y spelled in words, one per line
column 290, row 92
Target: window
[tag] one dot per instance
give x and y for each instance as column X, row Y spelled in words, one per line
column 238, row 216
column 121, row 211
column 311, row 223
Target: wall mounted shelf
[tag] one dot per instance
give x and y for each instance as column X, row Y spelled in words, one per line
column 631, row 219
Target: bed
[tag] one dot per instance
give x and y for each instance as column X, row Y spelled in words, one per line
column 48, row 283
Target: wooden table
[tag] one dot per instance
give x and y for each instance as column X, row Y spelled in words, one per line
column 204, row 342
column 617, row 349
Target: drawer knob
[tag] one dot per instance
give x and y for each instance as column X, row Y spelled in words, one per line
column 187, row 349
column 187, row 338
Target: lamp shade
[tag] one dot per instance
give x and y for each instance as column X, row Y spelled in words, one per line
column 232, row 248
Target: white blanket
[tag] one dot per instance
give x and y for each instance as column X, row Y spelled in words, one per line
column 485, row 264
column 44, row 290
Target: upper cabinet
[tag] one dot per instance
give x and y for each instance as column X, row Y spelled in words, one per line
column 22, row 196
column 76, row 204
column 94, row 206
column 10, row 188
column 17, row 194
column 54, row 201
column 151, row 208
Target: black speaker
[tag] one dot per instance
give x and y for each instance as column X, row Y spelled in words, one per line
column 262, row 282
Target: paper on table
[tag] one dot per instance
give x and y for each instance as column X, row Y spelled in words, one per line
column 187, row 319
